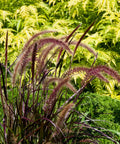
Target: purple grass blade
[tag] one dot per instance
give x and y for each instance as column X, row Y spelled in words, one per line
column 33, row 68
column 1, row 93
column 31, row 133
column 4, row 128
column 6, row 49
column 69, row 36
column 94, row 60
column 57, row 128
column 7, row 69
column 97, row 130
column 3, row 80
column 27, row 119
column 82, row 38
column 33, row 61
column 3, row 106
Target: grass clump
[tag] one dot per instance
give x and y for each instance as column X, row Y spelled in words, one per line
column 42, row 111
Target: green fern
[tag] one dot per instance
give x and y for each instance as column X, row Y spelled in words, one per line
column 22, row 24
column 106, row 5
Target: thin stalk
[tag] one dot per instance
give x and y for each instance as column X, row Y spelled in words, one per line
column 33, row 68
column 3, row 105
column 108, row 137
column 6, row 49
column 3, row 80
column 60, row 60
column 81, row 38
column 7, row 69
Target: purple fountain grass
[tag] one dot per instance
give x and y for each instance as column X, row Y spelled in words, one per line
column 42, row 103
column 6, row 53
column 40, row 43
column 71, row 87
column 35, row 36
column 100, row 76
column 33, row 62
column 95, row 71
column 18, row 66
column 42, row 57
column 81, row 38
column 58, row 42
column 51, row 79
column 107, row 70
column 84, row 141
column 86, row 47
column 48, row 106
column 66, row 40
column 64, row 114
column 72, row 71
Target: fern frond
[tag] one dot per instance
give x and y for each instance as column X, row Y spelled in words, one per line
column 106, row 5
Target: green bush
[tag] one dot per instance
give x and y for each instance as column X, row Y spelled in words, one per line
column 101, row 111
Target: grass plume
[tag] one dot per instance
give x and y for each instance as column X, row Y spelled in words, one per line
column 20, row 65
column 48, row 106
column 81, row 38
column 35, row 36
column 64, row 114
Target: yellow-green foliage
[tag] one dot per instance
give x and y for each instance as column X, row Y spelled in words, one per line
column 21, row 25
column 64, row 16
column 106, row 5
